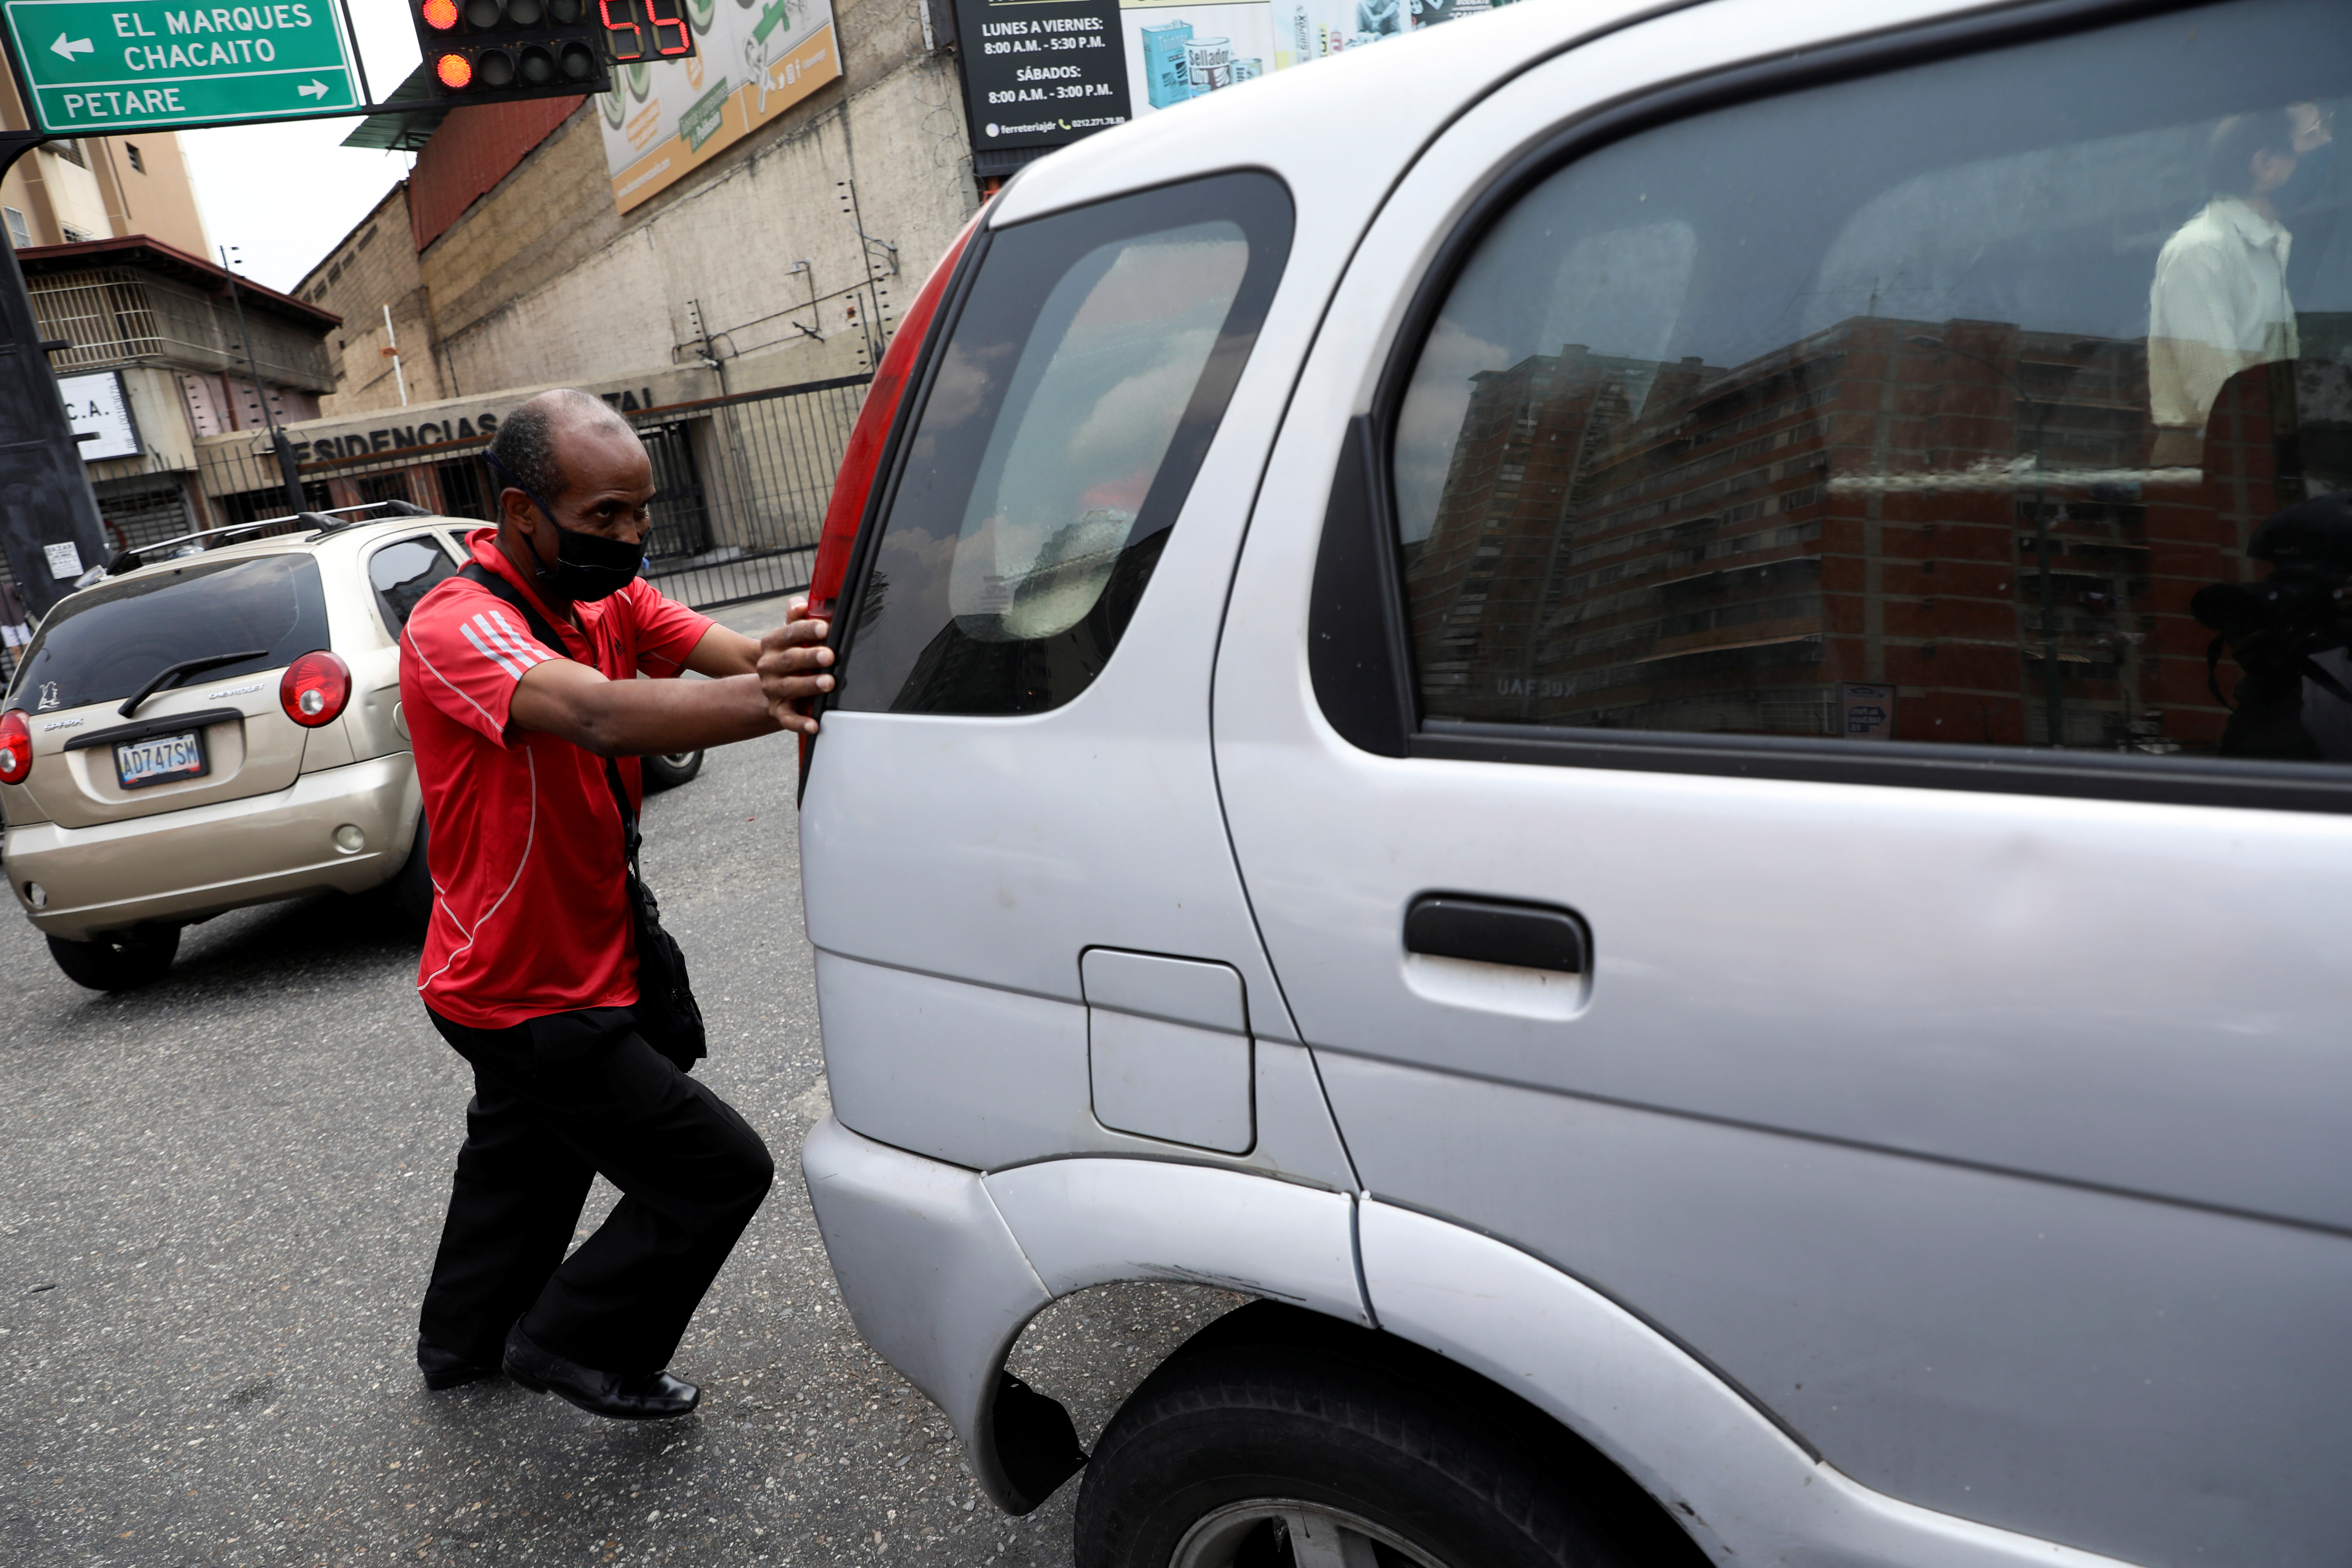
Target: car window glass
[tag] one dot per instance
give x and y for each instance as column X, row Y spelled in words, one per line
column 404, row 572
column 1984, row 401
column 1072, row 405
column 108, row 641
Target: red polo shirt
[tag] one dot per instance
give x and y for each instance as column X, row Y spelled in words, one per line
column 532, row 915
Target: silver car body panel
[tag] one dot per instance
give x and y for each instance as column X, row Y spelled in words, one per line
column 1091, row 1222
column 2051, row 1087
column 931, row 1276
column 1970, row 1006
column 1743, row 1489
column 942, row 1267
column 2086, row 1361
column 984, row 1077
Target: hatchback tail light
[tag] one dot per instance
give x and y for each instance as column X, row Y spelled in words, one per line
column 861, row 462
column 315, row 689
column 16, row 747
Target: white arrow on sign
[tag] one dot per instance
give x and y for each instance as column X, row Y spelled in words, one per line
column 69, row 48
column 312, row 89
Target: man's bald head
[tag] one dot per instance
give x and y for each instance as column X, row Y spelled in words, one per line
column 532, row 440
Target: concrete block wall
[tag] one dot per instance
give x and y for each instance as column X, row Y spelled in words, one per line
column 543, row 282
column 373, row 267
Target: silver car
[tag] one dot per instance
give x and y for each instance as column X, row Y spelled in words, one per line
column 1647, row 711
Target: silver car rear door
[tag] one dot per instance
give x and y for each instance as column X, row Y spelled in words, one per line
column 1977, row 1109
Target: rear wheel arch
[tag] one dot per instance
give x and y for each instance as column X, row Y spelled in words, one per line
column 1275, row 1409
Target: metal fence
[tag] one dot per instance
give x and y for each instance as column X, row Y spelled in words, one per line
column 741, row 484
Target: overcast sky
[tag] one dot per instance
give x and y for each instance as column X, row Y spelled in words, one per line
column 285, row 194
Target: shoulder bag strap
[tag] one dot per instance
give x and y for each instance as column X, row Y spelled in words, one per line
column 474, row 572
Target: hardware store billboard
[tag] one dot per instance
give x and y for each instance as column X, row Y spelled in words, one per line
column 754, row 59
column 1042, row 73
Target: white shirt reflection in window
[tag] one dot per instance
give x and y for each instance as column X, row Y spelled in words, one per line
column 2220, row 304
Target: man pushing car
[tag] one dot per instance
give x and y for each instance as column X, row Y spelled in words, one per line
column 545, row 966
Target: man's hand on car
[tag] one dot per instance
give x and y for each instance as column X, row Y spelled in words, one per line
column 792, row 664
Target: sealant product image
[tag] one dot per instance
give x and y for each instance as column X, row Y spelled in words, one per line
column 1210, row 63
column 1166, row 78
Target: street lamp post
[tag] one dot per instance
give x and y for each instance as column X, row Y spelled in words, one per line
column 2054, row 697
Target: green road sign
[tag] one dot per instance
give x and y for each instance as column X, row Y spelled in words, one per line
column 100, row 66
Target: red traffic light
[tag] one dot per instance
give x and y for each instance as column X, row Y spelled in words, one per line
column 514, row 49
column 498, row 67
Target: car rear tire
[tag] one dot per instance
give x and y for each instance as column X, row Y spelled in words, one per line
column 412, row 885
column 671, row 771
column 1354, row 1451
column 119, row 965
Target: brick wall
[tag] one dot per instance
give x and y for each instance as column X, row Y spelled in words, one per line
column 471, row 153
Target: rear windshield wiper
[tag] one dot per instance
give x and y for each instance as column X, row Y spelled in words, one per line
column 171, row 674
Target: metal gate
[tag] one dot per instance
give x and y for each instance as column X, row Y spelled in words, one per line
column 681, row 525
column 741, row 485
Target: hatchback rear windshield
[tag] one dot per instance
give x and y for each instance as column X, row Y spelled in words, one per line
column 106, row 642
column 1078, row 393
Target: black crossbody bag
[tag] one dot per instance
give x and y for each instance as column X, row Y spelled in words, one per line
column 667, row 1012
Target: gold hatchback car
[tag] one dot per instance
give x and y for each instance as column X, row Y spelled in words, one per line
column 215, row 723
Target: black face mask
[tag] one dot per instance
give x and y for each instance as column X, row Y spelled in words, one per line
column 588, row 566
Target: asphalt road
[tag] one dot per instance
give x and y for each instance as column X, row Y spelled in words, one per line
column 219, row 1198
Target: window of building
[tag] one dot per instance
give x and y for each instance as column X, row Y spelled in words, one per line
column 465, row 492
column 130, row 150
column 253, row 506
column 1983, row 402
column 375, row 488
column 20, row 233
column 74, row 235
column 1077, row 393
column 69, row 148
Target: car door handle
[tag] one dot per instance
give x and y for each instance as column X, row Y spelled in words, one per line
column 1490, row 931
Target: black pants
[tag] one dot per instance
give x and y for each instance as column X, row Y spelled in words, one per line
column 557, row 1100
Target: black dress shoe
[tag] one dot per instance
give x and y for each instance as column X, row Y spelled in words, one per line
column 623, row 1397
column 446, row 1369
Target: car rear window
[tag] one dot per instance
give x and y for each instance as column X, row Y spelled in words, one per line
column 1082, row 381
column 108, row 641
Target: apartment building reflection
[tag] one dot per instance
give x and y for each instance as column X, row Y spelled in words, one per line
column 1621, row 543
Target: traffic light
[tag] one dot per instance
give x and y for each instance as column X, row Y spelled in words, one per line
column 511, row 49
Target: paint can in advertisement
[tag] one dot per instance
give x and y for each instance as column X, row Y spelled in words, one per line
column 1165, row 78
column 1248, row 69
column 1210, row 64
